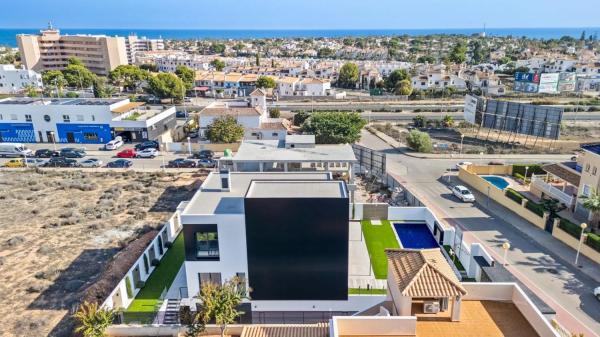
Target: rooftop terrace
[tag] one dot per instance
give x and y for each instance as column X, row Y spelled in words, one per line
column 59, row 101
column 275, row 150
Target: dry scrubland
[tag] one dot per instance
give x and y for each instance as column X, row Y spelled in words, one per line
column 58, row 230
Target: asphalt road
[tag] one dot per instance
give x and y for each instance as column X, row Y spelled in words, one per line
column 537, row 259
column 458, row 116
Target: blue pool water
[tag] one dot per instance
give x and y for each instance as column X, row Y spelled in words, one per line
column 415, row 235
column 499, row 182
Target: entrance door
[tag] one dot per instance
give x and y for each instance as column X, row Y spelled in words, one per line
column 70, row 137
column 50, row 137
column 549, row 224
column 40, row 134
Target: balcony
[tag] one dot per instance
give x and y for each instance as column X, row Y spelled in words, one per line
column 555, row 188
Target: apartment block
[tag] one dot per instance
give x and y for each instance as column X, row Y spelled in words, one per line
column 135, row 45
column 14, row 80
column 49, row 50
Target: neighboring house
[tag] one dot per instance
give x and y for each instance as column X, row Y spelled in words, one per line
column 91, row 121
column 13, row 80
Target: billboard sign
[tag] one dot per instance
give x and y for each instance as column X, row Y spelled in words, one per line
column 527, row 77
column 548, row 83
column 470, row 108
column 566, row 82
column 526, row 87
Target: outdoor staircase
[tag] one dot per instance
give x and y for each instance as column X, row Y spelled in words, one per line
column 172, row 312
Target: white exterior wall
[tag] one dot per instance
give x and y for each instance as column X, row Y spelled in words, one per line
column 354, row 303
column 231, row 229
column 14, row 80
column 247, row 122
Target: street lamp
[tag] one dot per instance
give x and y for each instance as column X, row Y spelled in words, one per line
column 189, row 146
column 162, row 154
column 506, row 247
column 53, row 139
column 583, row 226
column 462, row 138
column 526, row 169
column 481, row 156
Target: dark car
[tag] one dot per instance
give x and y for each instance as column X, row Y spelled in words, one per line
column 193, row 134
column 69, row 152
column 46, row 153
column 203, row 154
column 182, row 162
column 181, row 114
column 496, row 162
column 61, row 162
column 147, row 145
column 120, row 163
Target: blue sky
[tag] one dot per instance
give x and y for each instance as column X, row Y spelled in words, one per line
column 299, row 14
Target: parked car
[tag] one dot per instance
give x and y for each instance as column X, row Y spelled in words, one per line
column 61, row 162
column 35, row 162
column 127, row 153
column 597, row 293
column 181, row 114
column 181, row 162
column 120, row 163
column 203, row 154
column 463, row 193
column 114, row 144
column 46, row 153
column 70, row 152
column 193, row 134
column 463, row 163
column 17, row 162
column 207, row 163
column 147, row 153
column 147, row 144
column 91, row 162
column 496, row 162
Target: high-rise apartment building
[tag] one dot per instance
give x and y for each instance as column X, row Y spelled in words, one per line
column 135, row 44
column 51, row 51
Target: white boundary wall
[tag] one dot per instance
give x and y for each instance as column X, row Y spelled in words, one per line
column 172, row 228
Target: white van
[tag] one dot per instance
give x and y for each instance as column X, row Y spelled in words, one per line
column 14, row 150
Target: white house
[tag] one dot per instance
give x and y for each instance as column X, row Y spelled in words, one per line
column 14, row 80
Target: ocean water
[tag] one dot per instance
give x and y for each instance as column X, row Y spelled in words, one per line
column 7, row 35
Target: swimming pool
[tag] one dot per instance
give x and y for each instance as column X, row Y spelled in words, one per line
column 415, row 235
column 497, row 181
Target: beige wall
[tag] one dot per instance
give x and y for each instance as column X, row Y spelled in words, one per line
column 569, row 240
column 587, row 175
column 30, row 51
column 496, row 194
column 490, row 169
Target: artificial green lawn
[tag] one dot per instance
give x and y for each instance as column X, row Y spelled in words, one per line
column 357, row 291
column 161, row 278
column 378, row 238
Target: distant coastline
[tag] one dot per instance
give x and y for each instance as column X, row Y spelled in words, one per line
column 7, row 35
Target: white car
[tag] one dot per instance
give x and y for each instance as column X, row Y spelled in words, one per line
column 114, row 144
column 463, row 163
column 597, row 293
column 35, row 162
column 147, row 153
column 463, row 193
column 92, row 162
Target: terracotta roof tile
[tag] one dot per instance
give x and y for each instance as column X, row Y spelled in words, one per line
column 285, row 330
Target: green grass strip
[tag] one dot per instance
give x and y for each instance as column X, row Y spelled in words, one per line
column 378, row 238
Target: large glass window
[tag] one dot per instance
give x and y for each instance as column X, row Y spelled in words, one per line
column 207, row 244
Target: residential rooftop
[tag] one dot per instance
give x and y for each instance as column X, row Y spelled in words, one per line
column 59, row 101
column 212, row 198
column 592, row 147
column 276, row 151
column 297, row 189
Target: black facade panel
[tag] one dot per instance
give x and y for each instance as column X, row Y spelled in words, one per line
column 297, row 248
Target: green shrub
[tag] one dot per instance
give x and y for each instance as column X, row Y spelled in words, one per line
column 535, row 208
column 514, row 195
column 533, row 169
column 419, row 141
column 570, row 227
column 519, row 176
column 593, row 240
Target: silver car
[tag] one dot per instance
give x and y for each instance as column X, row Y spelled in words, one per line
column 91, row 162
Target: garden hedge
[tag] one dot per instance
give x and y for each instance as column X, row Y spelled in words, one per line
column 533, row 169
column 514, row 195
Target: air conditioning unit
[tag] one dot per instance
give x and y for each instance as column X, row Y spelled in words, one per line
column 431, row 307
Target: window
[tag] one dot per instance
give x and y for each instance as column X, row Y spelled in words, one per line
column 90, row 136
column 13, row 117
column 204, row 278
column 79, row 118
column 207, row 244
column 274, row 134
column 594, row 170
column 66, row 119
column 586, row 191
column 28, row 118
column 93, row 118
column 1, row 118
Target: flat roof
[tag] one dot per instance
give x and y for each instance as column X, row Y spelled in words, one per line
column 297, row 189
column 212, row 199
column 275, row 151
column 592, row 147
column 60, row 101
column 300, row 139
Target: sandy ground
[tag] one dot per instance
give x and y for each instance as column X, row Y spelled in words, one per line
column 59, row 229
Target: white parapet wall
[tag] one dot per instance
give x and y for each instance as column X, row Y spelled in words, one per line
column 354, row 303
column 511, row 292
column 373, row 326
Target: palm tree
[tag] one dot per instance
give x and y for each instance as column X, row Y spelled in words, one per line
column 592, row 204
column 93, row 320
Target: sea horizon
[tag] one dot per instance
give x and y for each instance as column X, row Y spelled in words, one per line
column 8, row 35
